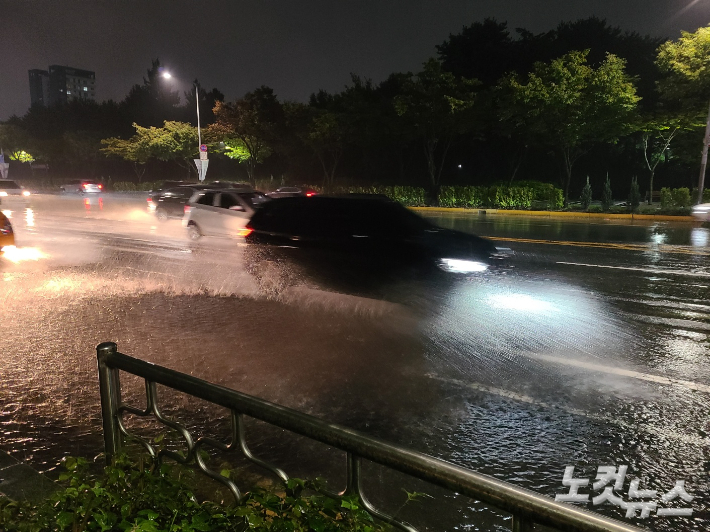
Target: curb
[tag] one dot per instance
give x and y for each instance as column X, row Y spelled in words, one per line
column 19, row 482
column 560, row 214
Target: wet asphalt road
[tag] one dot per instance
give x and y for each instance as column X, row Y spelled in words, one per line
column 591, row 349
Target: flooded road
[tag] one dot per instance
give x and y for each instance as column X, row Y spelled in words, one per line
column 591, row 350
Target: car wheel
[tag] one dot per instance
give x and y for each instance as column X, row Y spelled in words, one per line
column 194, row 232
column 162, row 215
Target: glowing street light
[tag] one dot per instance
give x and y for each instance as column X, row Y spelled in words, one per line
column 202, row 168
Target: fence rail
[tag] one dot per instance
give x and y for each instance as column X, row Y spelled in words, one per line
column 526, row 507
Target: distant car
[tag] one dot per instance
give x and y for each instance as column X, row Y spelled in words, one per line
column 170, row 202
column 356, row 241
column 701, row 212
column 223, row 212
column 291, row 192
column 12, row 193
column 82, row 186
column 7, row 236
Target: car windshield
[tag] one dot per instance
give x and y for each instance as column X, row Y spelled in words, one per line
column 9, row 185
column 254, row 198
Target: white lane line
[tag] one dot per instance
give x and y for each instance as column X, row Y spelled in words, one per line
column 636, row 269
column 622, row 372
column 633, row 428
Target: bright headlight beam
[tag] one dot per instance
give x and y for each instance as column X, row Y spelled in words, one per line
column 462, row 266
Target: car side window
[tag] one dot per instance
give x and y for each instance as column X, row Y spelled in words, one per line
column 227, row 200
column 206, row 198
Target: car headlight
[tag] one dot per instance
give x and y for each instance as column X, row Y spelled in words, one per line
column 3, row 193
column 462, row 266
column 25, row 192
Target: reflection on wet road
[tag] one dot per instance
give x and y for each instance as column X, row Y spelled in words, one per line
column 592, row 349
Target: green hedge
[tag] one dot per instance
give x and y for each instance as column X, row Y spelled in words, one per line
column 129, row 186
column 146, row 498
column 523, row 196
column 678, row 197
column 409, row 196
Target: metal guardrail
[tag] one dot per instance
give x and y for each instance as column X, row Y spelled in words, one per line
column 526, row 507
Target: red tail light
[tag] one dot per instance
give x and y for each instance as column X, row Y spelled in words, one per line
column 149, row 200
column 309, row 194
column 245, row 232
column 85, row 185
column 100, row 187
column 186, row 209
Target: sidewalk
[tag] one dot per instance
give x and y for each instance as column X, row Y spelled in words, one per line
column 560, row 214
column 19, row 481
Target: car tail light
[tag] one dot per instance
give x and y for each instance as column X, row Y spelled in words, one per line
column 187, row 209
column 100, row 187
column 149, row 199
column 6, row 228
column 245, row 232
column 309, row 194
column 85, row 186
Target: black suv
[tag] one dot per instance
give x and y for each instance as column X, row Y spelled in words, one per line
column 170, row 202
column 359, row 239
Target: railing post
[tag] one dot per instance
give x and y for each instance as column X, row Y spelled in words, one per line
column 110, row 388
column 520, row 524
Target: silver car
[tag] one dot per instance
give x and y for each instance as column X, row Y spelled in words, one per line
column 220, row 212
column 702, row 212
column 11, row 193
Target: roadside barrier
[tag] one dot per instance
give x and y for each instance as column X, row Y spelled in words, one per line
column 527, row 508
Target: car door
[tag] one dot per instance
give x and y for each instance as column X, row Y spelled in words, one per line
column 234, row 213
column 205, row 213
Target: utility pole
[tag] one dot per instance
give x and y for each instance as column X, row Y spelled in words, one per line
column 704, row 159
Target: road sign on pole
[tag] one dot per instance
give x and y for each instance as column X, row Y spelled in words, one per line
column 201, row 168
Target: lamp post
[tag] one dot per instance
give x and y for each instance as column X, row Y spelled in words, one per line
column 200, row 163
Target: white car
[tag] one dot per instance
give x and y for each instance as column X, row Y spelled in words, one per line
column 11, row 193
column 702, row 212
column 222, row 212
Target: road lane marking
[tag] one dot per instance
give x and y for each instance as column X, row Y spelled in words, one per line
column 665, row 248
column 621, row 372
column 637, row 269
column 501, row 392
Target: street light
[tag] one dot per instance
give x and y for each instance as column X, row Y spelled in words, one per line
column 168, row 75
column 202, row 168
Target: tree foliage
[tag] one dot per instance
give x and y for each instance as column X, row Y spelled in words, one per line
column 252, row 125
column 569, row 105
column 437, row 106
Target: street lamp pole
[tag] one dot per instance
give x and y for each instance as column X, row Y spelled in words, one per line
column 197, row 104
column 201, row 163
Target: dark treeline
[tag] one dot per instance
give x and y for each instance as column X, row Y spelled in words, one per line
column 495, row 106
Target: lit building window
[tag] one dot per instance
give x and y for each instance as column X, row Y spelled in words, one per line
column 86, row 89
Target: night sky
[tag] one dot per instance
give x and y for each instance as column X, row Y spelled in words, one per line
column 294, row 46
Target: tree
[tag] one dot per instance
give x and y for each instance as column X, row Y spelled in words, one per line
column 607, row 198
column 154, row 101
column 437, row 106
column 569, row 106
column 634, row 195
column 586, row 197
column 686, row 64
column 131, row 150
column 253, row 126
column 175, row 141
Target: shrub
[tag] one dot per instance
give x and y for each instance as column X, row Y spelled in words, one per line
column 666, row 198
column 681, row 197
column 124, row 186
column 607, row 199
column 140, row 497
column 634, row 195
column 586, row 197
